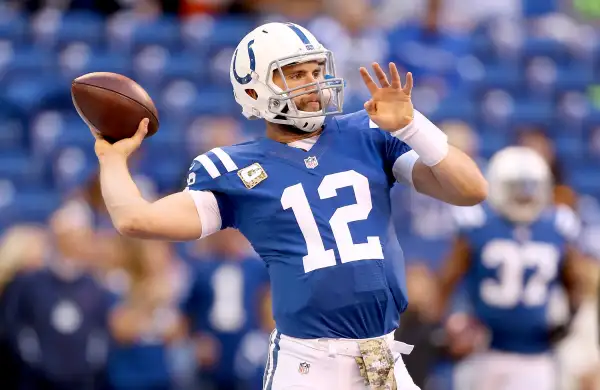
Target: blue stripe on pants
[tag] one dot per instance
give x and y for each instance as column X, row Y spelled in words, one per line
column 273, row 358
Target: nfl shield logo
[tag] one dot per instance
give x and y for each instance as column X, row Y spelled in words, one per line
column 311, row 162
column 303, row 368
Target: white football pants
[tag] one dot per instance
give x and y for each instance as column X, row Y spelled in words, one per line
column 324, row 364
column 493, row 370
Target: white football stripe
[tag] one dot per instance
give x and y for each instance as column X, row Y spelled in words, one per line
column 225, row 159
column 208, row 165
column 270, row 357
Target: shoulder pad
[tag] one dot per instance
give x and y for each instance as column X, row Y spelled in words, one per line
column 567, row 223
column 470, row 217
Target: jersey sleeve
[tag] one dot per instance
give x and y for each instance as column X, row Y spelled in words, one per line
column 207, row 184
column 401, row 158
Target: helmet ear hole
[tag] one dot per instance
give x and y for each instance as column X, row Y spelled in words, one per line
column 252, row 93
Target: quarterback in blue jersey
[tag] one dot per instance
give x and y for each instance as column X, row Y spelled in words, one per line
column 313, row 198
column 514, row 255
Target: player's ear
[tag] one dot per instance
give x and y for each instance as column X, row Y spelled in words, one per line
column 252, row 93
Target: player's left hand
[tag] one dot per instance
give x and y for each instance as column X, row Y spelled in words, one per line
column 390, row 106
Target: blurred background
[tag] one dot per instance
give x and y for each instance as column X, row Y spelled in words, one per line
column 82, row 308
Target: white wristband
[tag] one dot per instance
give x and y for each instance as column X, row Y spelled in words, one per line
column 425, row 138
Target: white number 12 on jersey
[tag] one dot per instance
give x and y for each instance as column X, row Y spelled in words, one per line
column 317, row 256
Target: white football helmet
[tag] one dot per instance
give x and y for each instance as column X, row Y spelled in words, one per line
column 267, row 49
column 520, row 183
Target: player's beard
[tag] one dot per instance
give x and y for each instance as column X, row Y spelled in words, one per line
column 309, row 105
column 313, row 102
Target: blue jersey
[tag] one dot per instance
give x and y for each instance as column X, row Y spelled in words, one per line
column 141, row 364
column 321, row 222
column 514, row 270
column 225, row 301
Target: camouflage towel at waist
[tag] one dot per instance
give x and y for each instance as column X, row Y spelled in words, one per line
column 376, row 364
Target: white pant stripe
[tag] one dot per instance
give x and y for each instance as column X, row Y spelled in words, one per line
column 270, row 364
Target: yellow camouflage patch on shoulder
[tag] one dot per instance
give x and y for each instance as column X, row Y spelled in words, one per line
column 252, row 175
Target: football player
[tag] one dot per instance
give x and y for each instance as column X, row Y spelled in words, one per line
column 222, row 305
column 313, row 198
column 513, row 253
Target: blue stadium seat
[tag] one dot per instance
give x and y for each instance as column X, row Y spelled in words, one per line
column 568, row 146
column 12, row 133
column 86, row 27
column 214, row 102
column 13, row 25
column 229, row 31
column 75, row 136
column 506, row 77
column 565, row 126
column 177, row 97
column 593, row 118
column 483, row 49
column 163, row 31
column 585, row 181
column 492, row 142
column 577, row 77
column 169, row 174
column 30, row 206
column 167, row 142
column 532, row 112
column 18, row 167
column 455, row 107
column 24, row 60
column 33, row 92
column 56, row 130
column 404, row 33
column 187, row 65
column 539, row 46
column 84, row 59
column 71, row 166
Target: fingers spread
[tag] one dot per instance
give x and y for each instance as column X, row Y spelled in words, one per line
column 396, row 82
column 409, row 84
column 368, row 80
column 381, row 76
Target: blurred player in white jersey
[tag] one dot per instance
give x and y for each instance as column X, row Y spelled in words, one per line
column 515, row 255
column 313, row 198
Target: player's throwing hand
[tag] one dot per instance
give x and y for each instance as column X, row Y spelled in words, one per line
column 123, row 148
column 390, row 106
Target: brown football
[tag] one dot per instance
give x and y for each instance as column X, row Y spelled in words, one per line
column 113, row 105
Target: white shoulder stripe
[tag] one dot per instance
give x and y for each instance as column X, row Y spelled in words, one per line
column 208, row 165
column 225, row 159
column 469, row 217
column 567, row 222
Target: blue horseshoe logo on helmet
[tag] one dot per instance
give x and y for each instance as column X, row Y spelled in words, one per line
column 247, row 78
